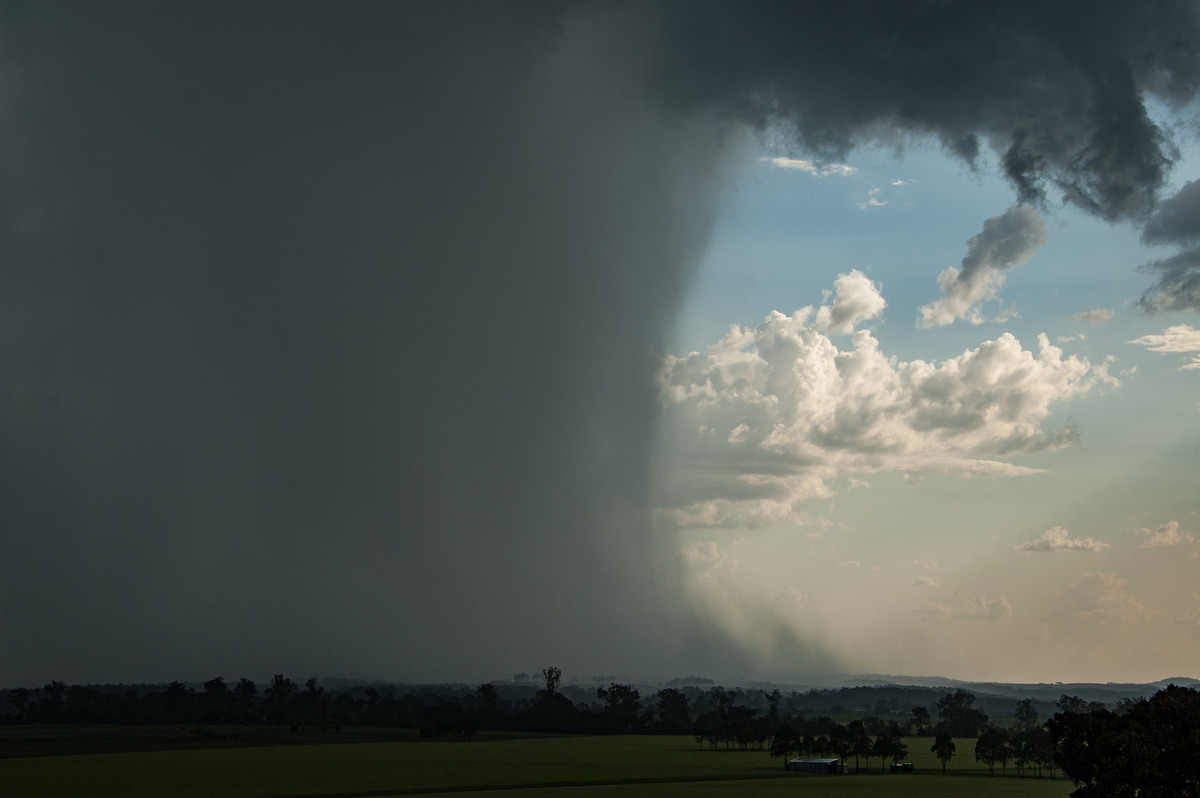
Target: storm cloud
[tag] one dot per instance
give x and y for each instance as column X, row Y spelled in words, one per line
column 329, row 333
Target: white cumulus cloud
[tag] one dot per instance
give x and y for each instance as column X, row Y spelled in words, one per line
column 1006, row 241
column 766, row 418
column 1168, row 534
column 1059, row 539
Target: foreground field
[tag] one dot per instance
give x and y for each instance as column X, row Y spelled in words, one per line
column 558, row 767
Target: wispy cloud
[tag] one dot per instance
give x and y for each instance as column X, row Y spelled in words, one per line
column 872, row 200
column 1059, row 539
column 1097, row 316
column 1099, row 597
column 814, row 168
column 980, row 608
column 1180, row 339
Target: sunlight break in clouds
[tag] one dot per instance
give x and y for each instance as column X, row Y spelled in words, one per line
column 1059, row 539
column 767, row 417
column 1181, row 338
column 1006, row 241
column 814, row 168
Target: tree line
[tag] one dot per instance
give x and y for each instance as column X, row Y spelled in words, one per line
column 718, row 717
column 1144, row 747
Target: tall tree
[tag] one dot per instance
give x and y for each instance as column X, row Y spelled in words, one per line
column 244, row 693
column 622, row 706
column 1150, row 750
column 784, row 742
column 959, row 717
column 839, row 742
column 993, row 746
column 860, row 743
column 216, row 700
column 279, row 698
column 1026, row 714
column 673, row 711
column 552, row 677
column 773, row 699
column 920, row 720
column 943, row 748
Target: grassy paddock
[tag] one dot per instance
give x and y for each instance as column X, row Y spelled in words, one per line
column 558, row 766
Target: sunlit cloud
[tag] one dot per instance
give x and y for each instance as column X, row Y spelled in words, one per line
column 1058, row 539
column 1168, row 534
column 814, row 168
column 1179, row 339
column 1006, row 241
column 872, row 200
column 1097, row 316
column 768, row 417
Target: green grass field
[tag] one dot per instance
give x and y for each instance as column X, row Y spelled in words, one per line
column 562, row 767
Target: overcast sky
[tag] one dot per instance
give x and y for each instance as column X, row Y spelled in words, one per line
column 445, row 341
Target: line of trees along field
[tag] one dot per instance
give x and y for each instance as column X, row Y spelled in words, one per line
column 1143, row 747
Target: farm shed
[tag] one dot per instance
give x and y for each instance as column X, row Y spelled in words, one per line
column 816, row 765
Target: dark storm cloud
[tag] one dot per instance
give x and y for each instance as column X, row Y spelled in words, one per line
column 327, row 331
column 1056, row 88
column 1176, row 221
column 1178, row 286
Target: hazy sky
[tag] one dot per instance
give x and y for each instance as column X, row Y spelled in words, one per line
column 393, row 340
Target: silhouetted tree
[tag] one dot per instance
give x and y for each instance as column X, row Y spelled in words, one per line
column 860, row 743
column 622, row 706
column 1026, row 714
column 993, row 746
column 943, row 748
column 773, row 699
column 673, row 711
column 50, row 707
column 487, row 702
column 959, row 718
column 919, row 724
column 178, row 703
column 784, row 742
column 1148, row 751
column 18, row 699
column 244, row 693
column 279, row 699
column 550, row 711
column 890, row 745
column 840, row 744
column 216, row 701
column 552, row 676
